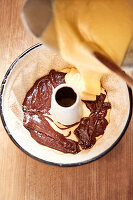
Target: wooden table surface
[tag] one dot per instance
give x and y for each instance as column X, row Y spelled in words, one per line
column 22, row 178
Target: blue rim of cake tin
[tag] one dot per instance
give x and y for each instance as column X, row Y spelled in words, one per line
column 41, row 160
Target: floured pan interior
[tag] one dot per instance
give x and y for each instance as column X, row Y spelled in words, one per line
column 37, row 63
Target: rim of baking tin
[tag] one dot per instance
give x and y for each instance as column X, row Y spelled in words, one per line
column 41, row 160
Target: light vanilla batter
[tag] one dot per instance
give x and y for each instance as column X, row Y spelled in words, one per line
column 80, row 28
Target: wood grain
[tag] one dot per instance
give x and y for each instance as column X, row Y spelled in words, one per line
column 22, row 178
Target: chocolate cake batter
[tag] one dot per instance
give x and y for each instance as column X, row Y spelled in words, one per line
column 37, row 104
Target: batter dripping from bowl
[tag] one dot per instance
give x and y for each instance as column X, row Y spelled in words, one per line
column 79, row 32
